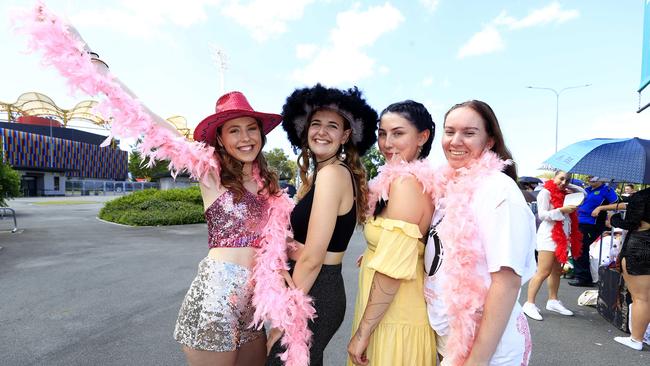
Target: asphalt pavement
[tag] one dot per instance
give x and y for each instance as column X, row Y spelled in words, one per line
column 75, row 290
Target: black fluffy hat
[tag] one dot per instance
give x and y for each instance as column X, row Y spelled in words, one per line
column 302, row 103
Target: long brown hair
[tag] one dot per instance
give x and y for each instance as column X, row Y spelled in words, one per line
column 352, row 160
column 232, row 171
column 491, row 125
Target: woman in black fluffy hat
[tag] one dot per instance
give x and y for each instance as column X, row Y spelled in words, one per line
column 332, row 128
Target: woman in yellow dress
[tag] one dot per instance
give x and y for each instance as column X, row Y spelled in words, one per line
column 391, row 326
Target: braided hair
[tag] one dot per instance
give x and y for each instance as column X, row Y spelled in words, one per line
column 419, row 116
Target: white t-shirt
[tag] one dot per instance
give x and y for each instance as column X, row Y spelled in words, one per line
column 507, row 230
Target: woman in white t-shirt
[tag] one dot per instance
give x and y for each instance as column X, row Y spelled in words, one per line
column 481, row 247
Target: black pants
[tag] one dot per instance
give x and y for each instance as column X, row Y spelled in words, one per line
column 328, row 293
column 582, row 271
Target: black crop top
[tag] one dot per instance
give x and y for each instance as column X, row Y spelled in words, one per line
column 638, row 209
column 343, row 229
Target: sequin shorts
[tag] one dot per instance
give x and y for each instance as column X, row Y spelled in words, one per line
column 217, row 309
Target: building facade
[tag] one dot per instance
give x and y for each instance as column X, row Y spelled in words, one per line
column 46, row 155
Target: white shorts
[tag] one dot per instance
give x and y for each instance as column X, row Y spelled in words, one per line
column 546, row 245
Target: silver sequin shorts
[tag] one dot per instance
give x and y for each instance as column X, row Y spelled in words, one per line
column 217, row 309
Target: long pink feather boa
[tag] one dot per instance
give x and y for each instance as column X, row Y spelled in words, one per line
column 64, row 51
column 285, row 308
column 465, row 290
column 379, row 187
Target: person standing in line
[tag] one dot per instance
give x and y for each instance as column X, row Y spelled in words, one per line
column 634, row 260
column 598, row 194
column 333, row 128
column 557, row 232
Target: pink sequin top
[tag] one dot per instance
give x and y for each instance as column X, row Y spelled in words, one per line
column 236, row 224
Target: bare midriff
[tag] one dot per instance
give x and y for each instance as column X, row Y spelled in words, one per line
column 243, row 256
column 331, row 258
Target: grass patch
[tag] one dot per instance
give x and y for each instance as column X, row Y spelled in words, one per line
column 152, row 207
column 67, row 202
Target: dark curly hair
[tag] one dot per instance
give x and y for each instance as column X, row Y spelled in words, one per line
column 491, row 125
column 350, row 104
column 419, row 116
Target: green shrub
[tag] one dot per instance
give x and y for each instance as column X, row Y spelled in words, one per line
column 152, row 207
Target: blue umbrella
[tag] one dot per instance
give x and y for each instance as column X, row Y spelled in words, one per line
column 622, row 160
column 577, row 182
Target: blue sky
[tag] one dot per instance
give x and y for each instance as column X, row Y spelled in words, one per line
column 438, row 52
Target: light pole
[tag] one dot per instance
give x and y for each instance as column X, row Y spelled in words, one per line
column 557, row 103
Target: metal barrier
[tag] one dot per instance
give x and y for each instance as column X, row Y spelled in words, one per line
column 3, row 212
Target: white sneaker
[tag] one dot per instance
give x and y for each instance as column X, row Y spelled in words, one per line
column 558, row 307
column 531, row 311
column 628, row 341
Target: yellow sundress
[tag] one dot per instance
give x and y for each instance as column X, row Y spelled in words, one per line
column 404, row 336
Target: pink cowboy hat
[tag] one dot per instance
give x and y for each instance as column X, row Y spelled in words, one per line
column 230, row 106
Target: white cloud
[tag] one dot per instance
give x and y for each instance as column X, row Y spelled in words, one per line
column 489, row 39
column 486, row 41
column 306, row 51
column 383, row 70
column 342, row 59
column 144, row 18
column 266, row 19
column 428, row 81
column 553, row 13
column 431, row 5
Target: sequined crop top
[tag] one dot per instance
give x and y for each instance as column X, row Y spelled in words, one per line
column 236, row 224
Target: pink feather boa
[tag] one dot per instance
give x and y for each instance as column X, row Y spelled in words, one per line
column 379, row 186
column 285, row 308
column 65, row 51
column 465, row 290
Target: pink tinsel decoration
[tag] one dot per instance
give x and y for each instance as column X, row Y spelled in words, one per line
column 464, row 254
column 285, row 308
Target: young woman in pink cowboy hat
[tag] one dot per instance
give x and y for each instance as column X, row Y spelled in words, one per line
column 240, row 283
column 213, row 322
column 333, row 128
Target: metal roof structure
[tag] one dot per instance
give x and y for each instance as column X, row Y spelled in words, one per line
column 40, row 105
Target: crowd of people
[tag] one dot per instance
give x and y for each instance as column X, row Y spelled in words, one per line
column 578, row 227
column 448, row 248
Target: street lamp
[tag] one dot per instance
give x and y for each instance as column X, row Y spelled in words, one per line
column 557, row 103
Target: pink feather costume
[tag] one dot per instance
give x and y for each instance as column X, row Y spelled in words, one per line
column 287, row 309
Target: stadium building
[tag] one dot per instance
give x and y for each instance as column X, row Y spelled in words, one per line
column 41, row 142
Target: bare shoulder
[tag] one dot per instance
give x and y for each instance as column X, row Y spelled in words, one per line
column 406, row 186
column 332, row 173
column 407, row 200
